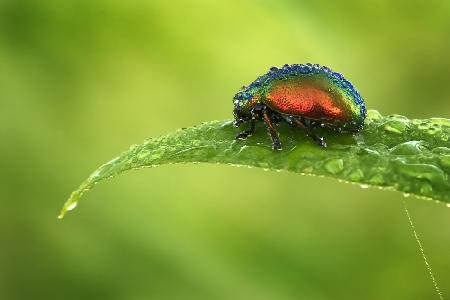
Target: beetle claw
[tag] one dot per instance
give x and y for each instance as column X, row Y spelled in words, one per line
column 321, row 142
column 277, row 147
column 243, row 135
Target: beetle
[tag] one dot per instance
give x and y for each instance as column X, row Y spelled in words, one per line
column 306, row 96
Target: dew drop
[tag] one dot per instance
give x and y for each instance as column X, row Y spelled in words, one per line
column 441, row 150
column 416, row 121
column 426, row 189
column 71, row 206
column 143, row 154
column 395, row 126
column 441, row 121
column 422, row 171
column 374, row 115
column 409, row 148
column 133, row 147
column 94, row 175
column 308, row 169
column 434, row 129
column 364, row 186
column 445, row 162
column 398, row 118
column 406, row 195
column 424, row 125
column 356, row 175
column 377, row 179
column 335, row 166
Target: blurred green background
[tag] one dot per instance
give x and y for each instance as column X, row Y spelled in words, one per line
column 81, row 80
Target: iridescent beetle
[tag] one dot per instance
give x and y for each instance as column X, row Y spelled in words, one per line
column 305, row 96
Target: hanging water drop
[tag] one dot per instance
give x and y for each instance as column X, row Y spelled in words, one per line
column 72, row 206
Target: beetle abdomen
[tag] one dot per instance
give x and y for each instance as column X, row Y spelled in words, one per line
column 308, row 98
column 313, row 92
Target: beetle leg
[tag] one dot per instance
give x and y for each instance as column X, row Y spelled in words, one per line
column 273, row 133
column 246, row 133
column 319, row 140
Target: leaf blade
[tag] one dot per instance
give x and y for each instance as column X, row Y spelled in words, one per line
column 393, row 152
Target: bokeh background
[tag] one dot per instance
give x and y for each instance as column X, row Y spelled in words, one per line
column 81, row 80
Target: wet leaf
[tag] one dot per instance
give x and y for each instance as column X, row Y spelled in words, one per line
column 392, row 152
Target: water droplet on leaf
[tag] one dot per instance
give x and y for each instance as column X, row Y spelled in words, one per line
column 356, row 175
column 426, row 189
column 377, row 179
column 71, row 206
column 395, row 126
column 424, row 125
column 409, row 148
column 335, row 166
column 374, row 115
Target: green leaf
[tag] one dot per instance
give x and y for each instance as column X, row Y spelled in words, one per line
column 393, row 152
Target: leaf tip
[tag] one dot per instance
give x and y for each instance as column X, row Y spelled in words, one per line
column 69, row 205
